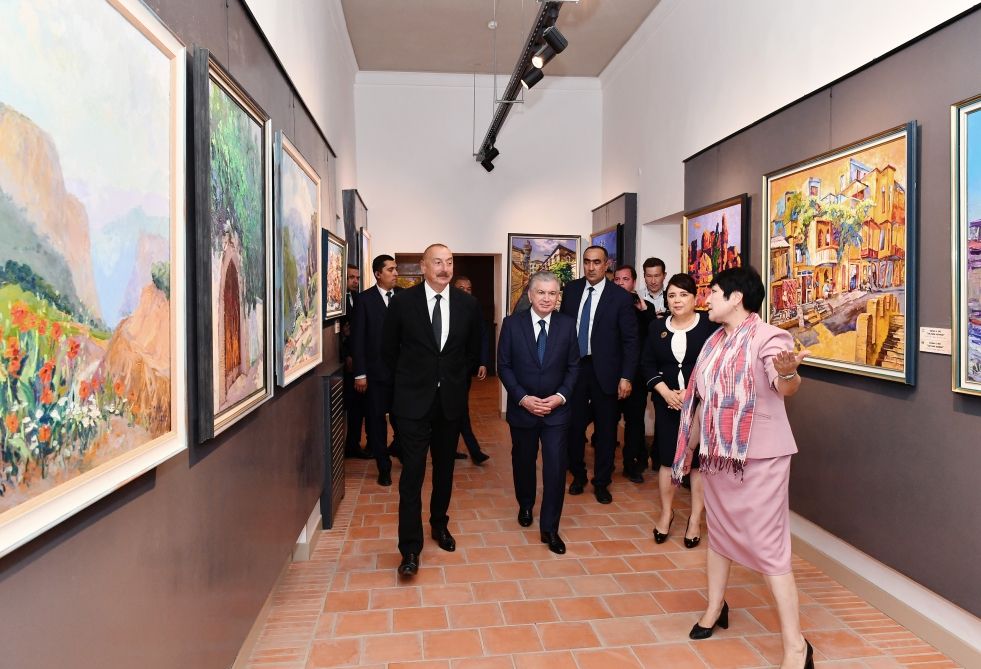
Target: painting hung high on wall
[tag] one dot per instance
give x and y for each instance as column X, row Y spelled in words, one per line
column 714, row 238
column 92, row 294
column 367, row 276
column 233, row 256
column 966, row 235
column 611, row 240
column 297, row 264
column 533, row 253
column 334, row 252
column 840, row 258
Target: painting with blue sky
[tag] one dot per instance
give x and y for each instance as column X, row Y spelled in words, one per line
column 967, row 222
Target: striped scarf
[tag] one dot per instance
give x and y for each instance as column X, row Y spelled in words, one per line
column 727, row 419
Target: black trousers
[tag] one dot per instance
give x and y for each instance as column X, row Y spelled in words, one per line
column 466, row 430
column 524, row 458
column 606, row 412
column 632, row 409
column 417, row 437
column 354, row 405
column 378, row 402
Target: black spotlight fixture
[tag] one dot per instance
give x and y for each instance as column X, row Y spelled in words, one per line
column 555, row 43
column 488, row 162
column 532, row 76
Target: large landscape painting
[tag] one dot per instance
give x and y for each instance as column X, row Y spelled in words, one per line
column 534, row 253
column 234, row 239
column 966, row 120
column 91, row 257
column 297, row 264
column 715, row 239
column 839, row 255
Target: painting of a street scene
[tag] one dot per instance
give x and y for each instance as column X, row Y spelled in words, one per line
column 967, row 235
column 539, row 253
column 88, row 332
column 298, row 265
column 239, row 254
column 838, row 237
column 715, row 239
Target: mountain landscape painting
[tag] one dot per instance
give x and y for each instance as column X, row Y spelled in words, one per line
column 234, row 235
column 297, row 264
column 90, row 171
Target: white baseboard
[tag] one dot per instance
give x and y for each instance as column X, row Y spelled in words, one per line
column 941, row 623
column 308, row 536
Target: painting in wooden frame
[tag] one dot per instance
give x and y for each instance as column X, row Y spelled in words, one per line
column 965, row 122
column 611, row 240
column 714, row 238
column 299, row 332
column 92, row 264
column 364, row 253
column 840, row 255
column 528, row 253
column 233, row 248
column 334, row 252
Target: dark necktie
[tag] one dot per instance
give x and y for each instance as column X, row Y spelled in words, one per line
column 388, row 298
column 542, row 336
column 438, row 323
column 584, row 324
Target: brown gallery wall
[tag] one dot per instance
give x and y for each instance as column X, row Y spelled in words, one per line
column 889, row 468
column 171, row 570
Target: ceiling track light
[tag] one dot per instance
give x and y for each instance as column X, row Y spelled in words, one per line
column 527, row 72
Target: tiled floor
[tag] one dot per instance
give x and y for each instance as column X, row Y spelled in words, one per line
column 616, row 599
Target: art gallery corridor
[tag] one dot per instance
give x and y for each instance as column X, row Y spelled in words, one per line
column 615, row 599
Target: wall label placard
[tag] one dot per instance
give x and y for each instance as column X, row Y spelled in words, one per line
column 935, row 340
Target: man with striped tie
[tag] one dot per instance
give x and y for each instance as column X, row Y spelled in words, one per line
column 538, row 361
column 371, row 377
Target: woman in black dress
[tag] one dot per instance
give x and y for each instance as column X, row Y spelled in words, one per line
column 669, row 356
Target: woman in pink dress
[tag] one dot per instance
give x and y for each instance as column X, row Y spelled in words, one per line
column 734, row 414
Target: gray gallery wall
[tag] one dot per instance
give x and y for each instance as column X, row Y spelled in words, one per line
column 891, row 469
column 172, row 569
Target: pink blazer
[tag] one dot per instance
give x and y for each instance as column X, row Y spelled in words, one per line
column 771, row 435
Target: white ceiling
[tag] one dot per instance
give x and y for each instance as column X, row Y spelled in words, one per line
column 452, row 35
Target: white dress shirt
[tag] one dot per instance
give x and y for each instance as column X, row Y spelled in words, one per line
column 592, row 309
column 384, row 294
column 657, row 299
column 444, row 310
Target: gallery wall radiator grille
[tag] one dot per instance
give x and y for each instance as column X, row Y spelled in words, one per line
column 335, row 433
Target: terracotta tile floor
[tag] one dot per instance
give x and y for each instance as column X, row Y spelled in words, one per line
column 616, row 599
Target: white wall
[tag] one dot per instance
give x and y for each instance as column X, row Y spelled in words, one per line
column 310, row 38
column 415, row 138
column 699, row 70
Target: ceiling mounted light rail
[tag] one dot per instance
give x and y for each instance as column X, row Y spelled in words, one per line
column 544, row 43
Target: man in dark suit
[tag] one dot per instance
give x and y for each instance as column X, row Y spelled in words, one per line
column 371, row 377
column 466, row 428
column 538, row 361
column 634, row 407
column 430, row 343
column 353, row 402
column 606, row 330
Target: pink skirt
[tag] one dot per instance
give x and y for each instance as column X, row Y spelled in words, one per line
column 749, row 519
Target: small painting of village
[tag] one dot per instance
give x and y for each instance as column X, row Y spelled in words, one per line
column 967, row 233
column 539, row 253
column 837, row 246
column 715, row 240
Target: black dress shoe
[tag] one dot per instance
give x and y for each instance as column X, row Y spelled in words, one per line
column 460, row 456
column 524, row 517
column 409, row 565
column 661, row 537
column 602, row 493
column 576, row 487
column 554, row 541
column 479, row 458
column 384, row 479
column 395, row 452
column 690, row 543
column 358, row 454
column 444, row 539
column 809, row 658
column 699, row 632
column 634, row 476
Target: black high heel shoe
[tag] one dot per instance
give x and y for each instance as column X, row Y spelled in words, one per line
column 699, row 632
column 660, row 538
column 690, row 543
column 809, row 658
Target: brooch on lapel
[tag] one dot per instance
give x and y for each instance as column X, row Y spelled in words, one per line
column 664, row 335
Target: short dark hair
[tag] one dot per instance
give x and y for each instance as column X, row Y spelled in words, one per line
column 633, row 272
column 655, row 262
column 683, row 281
column 378, row 264
column 461, row 277
column 350, row 266
column 747, row 281
column 606, row 254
